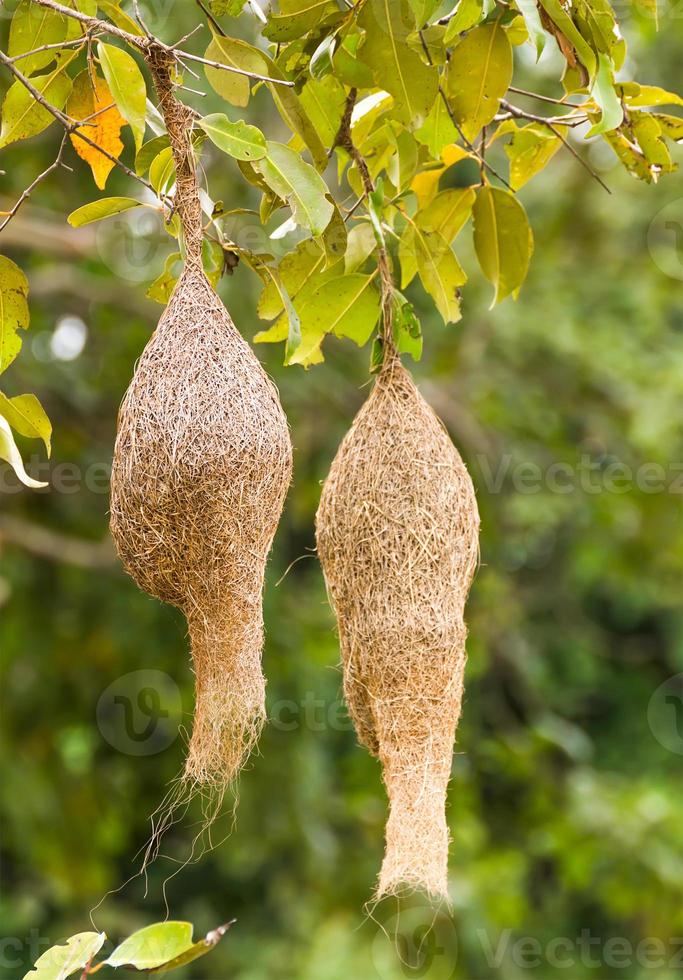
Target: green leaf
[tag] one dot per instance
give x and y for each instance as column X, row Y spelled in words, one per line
column 297, row 18
column 648, row 132
column 27, row 417
column 447, row 213
column 562, row 19
column 163, row 946
column 59, row 962
column 162, row 171
column 324, row 102
column 407, row 328
column 321, row 59
column 530, row 150
column 605, row 95
column 333, row 240
column 366, row 114
column 440, row 272
column 403, row 163
column 296, row 269
column 347, row 306
column 479, row 75
column 14, row 313
column 395, row 65
column 149, row 150
column 296, row 182
column 424, row 10
column 646, row 95
column 162, row 287
column 32, row 27
column 360, row 245
column 467, row 14
column 117, row 16
column 22, row 116
column 293, row 338
column 229, row 8
column 238, row 139
column 502, row 240
column 537, row 35
column 104, row 208
column 127, row 86
column 671, row 126
column 234, row 88
column 437, row 131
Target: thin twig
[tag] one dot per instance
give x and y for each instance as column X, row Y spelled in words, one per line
column 541, row 98
column 29, row 190
column 345, row 140
column 210, row 17
column 238, row 71
column 70, row 125
column 467, row 142
column 520, row 114
column 49, row 47
column 451, row 114
column 142, row 43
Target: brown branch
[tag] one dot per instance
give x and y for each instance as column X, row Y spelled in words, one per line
column 137, row 40
column 345, row 140
column 49, row 47
column 54, row 546
column 185, row 55
column 210, row 17
column 29, row 190
column 521, row 114
column 142, row 43
column 469, row 145
column 179, row 118
column 70, row 125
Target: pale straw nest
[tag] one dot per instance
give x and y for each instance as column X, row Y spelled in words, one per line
column 397, row 533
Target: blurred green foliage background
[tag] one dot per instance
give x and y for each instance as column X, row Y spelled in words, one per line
column 566, row 803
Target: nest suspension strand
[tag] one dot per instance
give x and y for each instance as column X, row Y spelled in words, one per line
column 202, row 464
column 397, row 534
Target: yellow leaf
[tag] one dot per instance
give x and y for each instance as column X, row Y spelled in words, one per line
column 426, row 184
column 91, row 95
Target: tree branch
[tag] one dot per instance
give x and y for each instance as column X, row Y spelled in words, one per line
column 70, row 125
column 142, row 43
column 57, row 547
column 521, row 114
column 345, row 140
column 29, row 190
column 49, row 47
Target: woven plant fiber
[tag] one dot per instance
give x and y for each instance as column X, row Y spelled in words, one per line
column 202, row 464
column 397, row 535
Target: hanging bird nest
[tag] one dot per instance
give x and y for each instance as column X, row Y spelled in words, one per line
column 202, row 464
column 397, row 532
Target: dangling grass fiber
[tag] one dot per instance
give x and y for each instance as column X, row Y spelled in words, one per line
column 397, row 535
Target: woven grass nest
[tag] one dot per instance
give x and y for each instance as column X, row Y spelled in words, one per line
column 202, row 464
column 397, row 535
